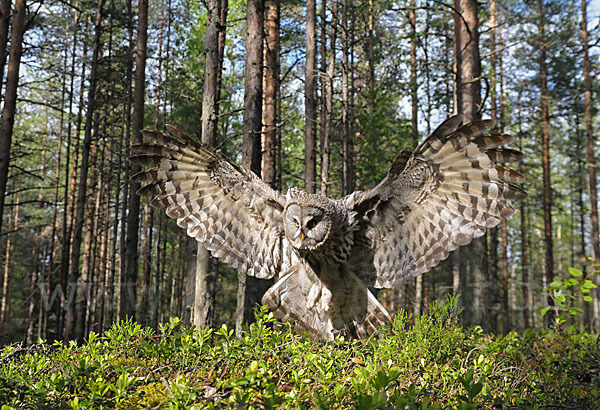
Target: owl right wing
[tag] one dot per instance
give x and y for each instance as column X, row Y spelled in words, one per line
column 234, row 213
column 433, row 200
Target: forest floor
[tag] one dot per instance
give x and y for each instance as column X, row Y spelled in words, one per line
column 433, row 363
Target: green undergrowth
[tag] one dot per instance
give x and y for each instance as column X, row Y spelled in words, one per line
column 431, row 364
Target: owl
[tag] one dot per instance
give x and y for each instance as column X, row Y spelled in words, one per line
column 326, row 254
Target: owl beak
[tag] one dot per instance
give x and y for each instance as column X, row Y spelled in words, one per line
column 302, row 236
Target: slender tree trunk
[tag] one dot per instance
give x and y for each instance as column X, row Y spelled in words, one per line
column 469, row 71
column 324, row 130
column 548, row 241
column 455, row 257
column 69, row 327
column 120, row 286
column 526, row 292
column 347, row 166
column 253, row 86
column 590, row 157
column 326, row 114
column 10, row 96
column 129, row 298
column 70, row 176
column 203, row 303
column 54, row 237
column 160, row 290
column 310, row 98
column 5, row 12
column 249, row 292
column 13, row 219
column 270, row 91
column 89, row 223
column 491, row 325
column 506, row 287
column 414, row 103
column 143, row 309
column 414, row 87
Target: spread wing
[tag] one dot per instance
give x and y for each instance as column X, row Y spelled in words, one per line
column 234, row 213
column 440, row 197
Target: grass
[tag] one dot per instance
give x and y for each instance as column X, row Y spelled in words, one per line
column 432, row 364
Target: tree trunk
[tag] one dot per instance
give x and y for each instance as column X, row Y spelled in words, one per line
column 71, row 177
column 69, row 328
column 253, row 74
column 347, row 166
column 129, row 281
column 203, row 303
column 143, row 309
column 414, row 103
column 590, row 157
column 547, row 189
column 491, row 325
column 87, row 269
column 506, row 306
column 13, row 218
column 310, row 98
column 249, row 291
column 5, row 12
column 10, row 96
column 469, row 73
column 270, row 93
column 327, row 92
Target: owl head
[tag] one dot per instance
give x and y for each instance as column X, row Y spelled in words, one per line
column 309, row 220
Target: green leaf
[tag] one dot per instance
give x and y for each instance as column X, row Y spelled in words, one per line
column 253, row 366
column 475, row 389
column 557, row 284
column 572, row 282
column 575, row 272
column 588, row 298
column 545, row 310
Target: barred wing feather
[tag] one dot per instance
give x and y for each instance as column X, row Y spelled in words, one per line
column 449, row 191
column 235, row 214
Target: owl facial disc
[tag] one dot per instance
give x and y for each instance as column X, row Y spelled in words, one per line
column 306, row 227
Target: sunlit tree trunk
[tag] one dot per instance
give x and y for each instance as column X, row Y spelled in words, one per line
column 547, row 189
column 129, row 297
column 327, row 91
column 414, row 103
column 203, row 302
column 10, row 95
column 347, row 154
column 493, row 302
column 310, row 98
column 70, row 316
column 590, row 156
column 473, row 268
column 249, row 291
column 270, row 93
column 13, row 219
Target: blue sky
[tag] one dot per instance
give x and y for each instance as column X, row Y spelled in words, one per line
column 593, row 11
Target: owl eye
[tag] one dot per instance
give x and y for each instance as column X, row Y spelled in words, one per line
column 312, row 223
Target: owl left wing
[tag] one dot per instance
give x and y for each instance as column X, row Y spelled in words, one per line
column 233, row 212
column 433, row 200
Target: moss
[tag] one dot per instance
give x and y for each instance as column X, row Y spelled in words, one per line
column 432, row 364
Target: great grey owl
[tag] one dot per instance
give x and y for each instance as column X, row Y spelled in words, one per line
column 326, row 253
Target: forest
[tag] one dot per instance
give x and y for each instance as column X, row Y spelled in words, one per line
column 319, row 95
column 105, row 302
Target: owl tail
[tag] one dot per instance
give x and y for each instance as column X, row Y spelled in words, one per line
column 325, row 305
